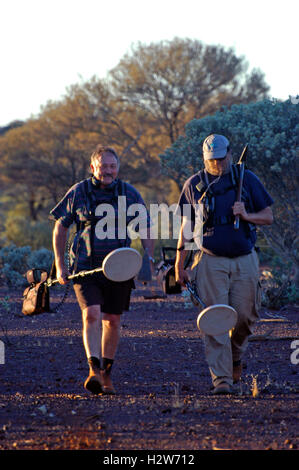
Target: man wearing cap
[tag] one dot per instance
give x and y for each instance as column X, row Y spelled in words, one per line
column 225, row 268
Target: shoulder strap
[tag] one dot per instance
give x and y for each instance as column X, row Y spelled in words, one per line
column 86, row 195
column 235, row 174
column 202, row 184
column 121, row 188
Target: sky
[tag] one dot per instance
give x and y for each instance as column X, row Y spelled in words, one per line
column 48, row 45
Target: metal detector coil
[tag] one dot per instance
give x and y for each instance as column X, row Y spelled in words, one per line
column 120, row 265
column 215, row 319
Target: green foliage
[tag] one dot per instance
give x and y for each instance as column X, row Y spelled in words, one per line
column 271, row 129
column 280, row 288
column 21, row 232
column 11, row 277
column 139, row 108
column 11, row 125
column 41, row 258
column 173, row 81
column 15, row 262
column 15, row 257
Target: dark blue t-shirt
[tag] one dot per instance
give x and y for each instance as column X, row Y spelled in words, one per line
column 73, row 209
column 221, row 238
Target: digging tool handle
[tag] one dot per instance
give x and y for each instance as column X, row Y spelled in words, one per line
column 241, row 162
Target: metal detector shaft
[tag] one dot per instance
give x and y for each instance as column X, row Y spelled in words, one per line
column 51, row 282
column 191, row 288
column 241, row 162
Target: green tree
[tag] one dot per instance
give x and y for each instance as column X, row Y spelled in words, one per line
column 121, row 125
column 48, row 154
column 11, row 125
column 271, row 129
column 140, row 108
column 175, row 81
column 21, row 168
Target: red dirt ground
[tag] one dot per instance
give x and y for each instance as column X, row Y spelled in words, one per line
column 163, row 400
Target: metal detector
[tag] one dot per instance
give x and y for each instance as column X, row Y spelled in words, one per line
column 215, row 319
column 120, row 265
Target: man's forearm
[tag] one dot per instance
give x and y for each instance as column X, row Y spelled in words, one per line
column 181, row 252
column 181, row 275
column 264, row 217
column 59, row 241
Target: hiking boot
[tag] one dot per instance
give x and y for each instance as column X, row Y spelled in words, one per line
column 237, row 371
column 93, row 382
column 106, row 382
column 222, row 389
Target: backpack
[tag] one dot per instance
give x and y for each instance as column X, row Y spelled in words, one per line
column 91, row 219
column 166, row 273
column 207, row 198
column 36, row 298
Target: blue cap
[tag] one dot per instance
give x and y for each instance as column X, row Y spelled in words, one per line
column 215, row 146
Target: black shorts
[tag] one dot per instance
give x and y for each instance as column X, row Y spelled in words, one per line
column 96, row 289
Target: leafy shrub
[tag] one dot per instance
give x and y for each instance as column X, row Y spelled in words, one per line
column 15, row 261
column 271, row 129
column 23, row 232
column 12, row 278
column 280, row 287
column 41, row 258
column 15, row 257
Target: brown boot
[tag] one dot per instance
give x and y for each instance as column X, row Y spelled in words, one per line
column 93, row 382
column 107, row 386
column 237, row 371
column 222, row 389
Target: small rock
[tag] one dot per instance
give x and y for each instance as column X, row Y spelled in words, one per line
column 43, row 409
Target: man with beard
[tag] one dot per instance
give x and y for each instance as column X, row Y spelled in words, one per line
column 225, row 268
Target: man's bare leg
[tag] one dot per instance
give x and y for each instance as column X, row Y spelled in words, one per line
column 91, row 318
column 110, row 340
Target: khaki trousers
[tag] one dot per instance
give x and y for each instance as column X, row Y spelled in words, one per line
column 234, row 282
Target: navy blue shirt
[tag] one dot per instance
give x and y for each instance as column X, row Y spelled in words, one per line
column 221, row 239
column 74, row 207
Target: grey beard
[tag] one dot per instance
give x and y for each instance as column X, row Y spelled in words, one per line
column 222, row 171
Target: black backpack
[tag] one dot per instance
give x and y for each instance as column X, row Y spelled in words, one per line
column 166, row 273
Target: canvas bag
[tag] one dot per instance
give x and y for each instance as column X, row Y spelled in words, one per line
column 166, row 274
column 36, row 298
